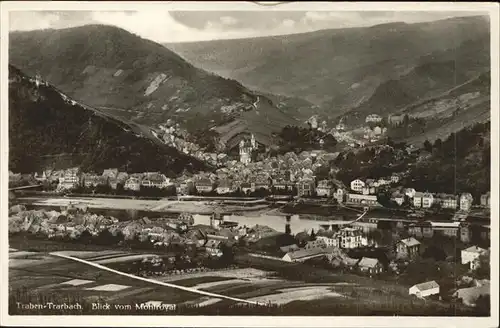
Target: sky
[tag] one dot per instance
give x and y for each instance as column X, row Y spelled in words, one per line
column 186, row 26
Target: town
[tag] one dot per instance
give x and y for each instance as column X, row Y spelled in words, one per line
column 339, row 172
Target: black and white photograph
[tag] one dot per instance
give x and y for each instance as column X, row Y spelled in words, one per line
column 242, row 162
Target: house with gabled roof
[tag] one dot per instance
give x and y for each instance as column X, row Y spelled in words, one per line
column 304, row 254
column 424, row 289
column 466, row 200
column 408, row 248
column 370, row 265
column 289, row 248
column 470, row 254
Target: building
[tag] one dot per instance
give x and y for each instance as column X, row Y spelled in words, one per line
column 281, row 184
column 305, row 187
column 318, row 243
column 469, row 255
column 357, row 185
column 246, row 147
column 329, row 241
column 70, row 179
column 427, row 200
column 313, row 122
column 373, row 118
column 304, row 254
column 395, row 178
column 42, row 176
column 133, row 183
column 370, row 200
column 448, row 201
column 448, row 229
column 262, row 182
column 370, row 266
column 466, row 201
column 204, row 185
column 110, row 173
column 156, row 180
column 213, row 247
column 398, row 198
column 350, row 238
column 93, row 180
column 246, row 187
column 395, row 120
column 424, row 289
column 410, row 192
column 469, row 296
column 485, row 200
column 339, row 195
column 224, row 187
column 408, row 248
column 417, row 199
column 324, row 189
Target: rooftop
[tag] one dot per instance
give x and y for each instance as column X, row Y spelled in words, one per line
column 302, row 253
column 368, row 262
column 427, row 285
column 474, row 249
column 410, row 242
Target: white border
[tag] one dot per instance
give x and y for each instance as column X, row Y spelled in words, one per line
column 246, row 321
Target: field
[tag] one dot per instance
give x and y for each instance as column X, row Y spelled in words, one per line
column 39, row 276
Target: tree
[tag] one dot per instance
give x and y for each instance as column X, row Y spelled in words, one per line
column 483, row 304
column 428, row 146
column 406, row 120
column 86, row 237
column 435, row 252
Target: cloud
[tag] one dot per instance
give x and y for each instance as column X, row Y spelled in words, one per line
column 228, row 20
column 288, row 23
column 182, row 26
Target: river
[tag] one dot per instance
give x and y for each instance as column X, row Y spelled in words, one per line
column 278, row 222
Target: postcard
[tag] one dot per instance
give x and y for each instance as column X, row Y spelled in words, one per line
column 249, row 164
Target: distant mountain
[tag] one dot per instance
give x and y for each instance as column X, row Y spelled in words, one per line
column 48, row 129
column 433, row 74
column 342, row 68
column 451, row 111
column 111, row 69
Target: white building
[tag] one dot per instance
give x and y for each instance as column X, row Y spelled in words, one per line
column 339, row 195
column 398, row 197
column 395, row 178
column 449, row 201
column 424, row 289
column 417, row 199
column 304, row 254
column 472, row 253
column 373, row 118
column 70, row 179
column 324, row 189
column 410, row 192
column 350, row 238
column 132, row 183
column 362, row 199
column 466, row 201
column 357, row 185
column 427, row 200
column 224, row 187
